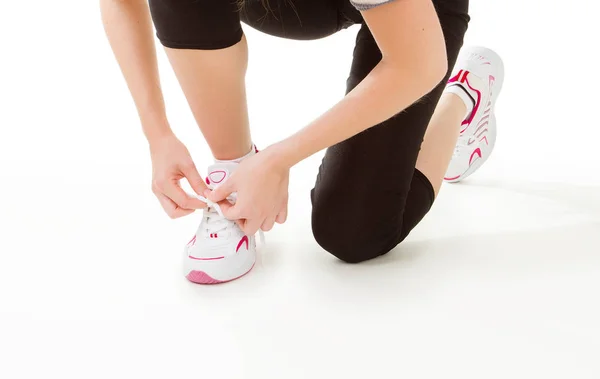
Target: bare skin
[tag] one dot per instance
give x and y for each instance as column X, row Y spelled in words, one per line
column 215, row 80
column 440, row 139
column 415, row 63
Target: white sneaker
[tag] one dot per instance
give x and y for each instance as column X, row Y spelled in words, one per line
column 479, row 73
column 220, row 251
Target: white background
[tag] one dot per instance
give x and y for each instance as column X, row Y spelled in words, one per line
column 501, row 280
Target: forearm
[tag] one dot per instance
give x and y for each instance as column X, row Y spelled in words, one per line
column 410, row 38
column 129, row 30
column 386, row 91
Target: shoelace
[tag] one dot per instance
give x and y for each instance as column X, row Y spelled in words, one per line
column 215, row 220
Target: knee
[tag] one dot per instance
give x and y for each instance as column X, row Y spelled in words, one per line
column 337, row 244
column 345, row 239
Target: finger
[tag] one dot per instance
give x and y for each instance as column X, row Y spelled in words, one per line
column 251, row 226
column 174, row 192
column 193, row 177
column 223, row 191
column 172, row 210
column 241, row 223
column 231, row 212
column 282, row 216
column 267, row 225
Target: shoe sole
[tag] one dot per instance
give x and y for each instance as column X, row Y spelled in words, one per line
column 221, row 270
column 200, row 277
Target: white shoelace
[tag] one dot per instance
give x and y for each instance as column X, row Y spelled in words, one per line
column 213, row 218
column 215, row 221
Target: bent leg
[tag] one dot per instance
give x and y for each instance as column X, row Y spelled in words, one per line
column 368, row 195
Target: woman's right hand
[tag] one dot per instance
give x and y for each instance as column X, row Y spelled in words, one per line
column 172, row 162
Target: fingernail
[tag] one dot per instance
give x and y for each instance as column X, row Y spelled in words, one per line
column 207, row 193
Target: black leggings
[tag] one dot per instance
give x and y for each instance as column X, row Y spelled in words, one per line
column 368, row 195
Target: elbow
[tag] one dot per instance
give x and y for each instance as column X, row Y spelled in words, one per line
column 424, row 72
column 427, row 67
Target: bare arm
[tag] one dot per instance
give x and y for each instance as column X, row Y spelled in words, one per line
column 414, row 61
column 129, row 29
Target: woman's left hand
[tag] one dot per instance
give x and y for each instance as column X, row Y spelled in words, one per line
column 261, row 183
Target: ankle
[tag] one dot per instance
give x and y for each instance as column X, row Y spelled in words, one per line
column 237, row 158
column 453, row 104
column 464, row 86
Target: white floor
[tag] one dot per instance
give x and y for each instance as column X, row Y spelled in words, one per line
column 501, row 280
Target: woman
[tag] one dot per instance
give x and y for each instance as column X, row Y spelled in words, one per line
column 390, row 141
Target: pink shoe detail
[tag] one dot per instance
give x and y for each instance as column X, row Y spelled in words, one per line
column 485, row 119
column 244, row 239
column 454, row 178
column 478, row 152
column 200, row 277
column 455, row 78
column 205, row 259
column 464, row 76
column 469, row 120
column 483, row 122
column 217, row 176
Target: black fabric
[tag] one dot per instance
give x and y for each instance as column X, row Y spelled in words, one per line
column 196, row 24
column 368, row 195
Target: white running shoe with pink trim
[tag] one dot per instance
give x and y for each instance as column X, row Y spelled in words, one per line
column 477, row 77
column 219, row 251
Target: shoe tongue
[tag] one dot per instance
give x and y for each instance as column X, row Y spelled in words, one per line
column 219, row 173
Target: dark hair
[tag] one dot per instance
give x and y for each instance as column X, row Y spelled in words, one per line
column 265, row 4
